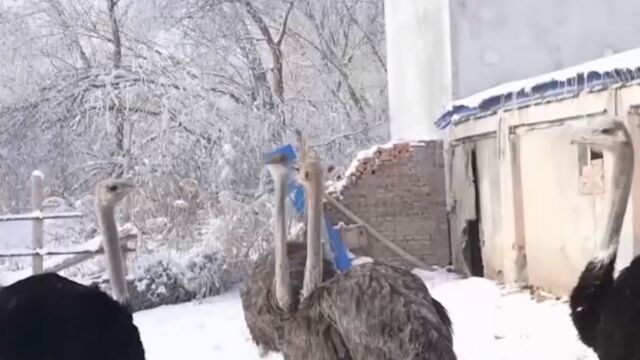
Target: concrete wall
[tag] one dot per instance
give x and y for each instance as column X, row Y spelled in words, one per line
column 419, row 66
column 562, row 226
column 404, row 199
column 496, row 41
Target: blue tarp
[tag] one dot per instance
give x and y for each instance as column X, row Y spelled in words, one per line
column 574, row 85
column 296, row 194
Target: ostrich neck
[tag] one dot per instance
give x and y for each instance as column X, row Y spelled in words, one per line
column 313, row 267
column 283, row 290
column 111, row 244
column 622, row 177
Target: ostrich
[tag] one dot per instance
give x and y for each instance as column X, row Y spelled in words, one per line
column 604, row 310
column 47, row 316
column 274, row 285
column 372, row 311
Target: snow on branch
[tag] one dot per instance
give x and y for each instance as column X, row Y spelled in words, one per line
column 38, row 215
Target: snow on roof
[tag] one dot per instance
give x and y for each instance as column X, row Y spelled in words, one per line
column 369, row 160
column 593, row 75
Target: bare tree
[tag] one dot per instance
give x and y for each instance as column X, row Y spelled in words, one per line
column 197, row 89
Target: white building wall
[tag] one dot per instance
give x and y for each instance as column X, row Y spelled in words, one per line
column 419, row 66
column 439, row 49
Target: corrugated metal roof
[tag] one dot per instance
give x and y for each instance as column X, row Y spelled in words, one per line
column 622, row 68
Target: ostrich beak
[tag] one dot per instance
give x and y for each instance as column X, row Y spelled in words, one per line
column 277, row 165
column 593, row 137
column 279, row 159
column 128, row 181
column 126, row 185
column 131, row 187
column 607, row 133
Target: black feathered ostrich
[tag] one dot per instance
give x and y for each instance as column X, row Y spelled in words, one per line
column 373, row 311
column 274, row 285
column 604, row 310
column 47, row 316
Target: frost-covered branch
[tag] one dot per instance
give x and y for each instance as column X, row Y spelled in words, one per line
column 115, row 33
column 275, row 45
column 349, row 134
column 194, row 90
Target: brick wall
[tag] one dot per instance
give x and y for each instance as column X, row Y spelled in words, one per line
column 399, row 189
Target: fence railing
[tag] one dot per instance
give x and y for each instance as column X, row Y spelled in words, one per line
column 37, row 252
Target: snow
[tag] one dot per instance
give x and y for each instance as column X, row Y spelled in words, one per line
column 339, row 185
column 210, row 329
column 15, row 234
column 624, row 60
column 501, row 323
column 490, row 322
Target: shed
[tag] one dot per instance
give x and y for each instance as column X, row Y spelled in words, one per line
column 524, row 204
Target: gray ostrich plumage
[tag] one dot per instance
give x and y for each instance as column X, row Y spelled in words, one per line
column 262, row 312
column 372, row 311
column 264, row 318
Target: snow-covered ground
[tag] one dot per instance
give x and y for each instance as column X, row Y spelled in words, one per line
column 490, row 323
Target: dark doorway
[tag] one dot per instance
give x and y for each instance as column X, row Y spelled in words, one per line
column 473, row 247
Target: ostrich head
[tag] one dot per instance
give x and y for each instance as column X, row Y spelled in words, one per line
column 309, row 171
column 111, row 191
column 596, row 279
column 605, row 135
column 612, row 136
column 277, row 165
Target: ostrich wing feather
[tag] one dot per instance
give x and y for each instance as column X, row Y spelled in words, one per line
column 385, row 312
column 373, row 311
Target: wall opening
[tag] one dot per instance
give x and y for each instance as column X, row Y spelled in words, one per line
column 591, row 170
column 594, row 154
column 473, row 246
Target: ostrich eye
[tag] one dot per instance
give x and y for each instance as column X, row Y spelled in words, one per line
column 606, row 131
column 113, row 188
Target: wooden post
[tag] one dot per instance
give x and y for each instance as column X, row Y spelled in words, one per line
column 377, row 235
column 633, row 124
column 37, row 232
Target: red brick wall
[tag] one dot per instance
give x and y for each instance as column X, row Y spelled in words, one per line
column 400, row 191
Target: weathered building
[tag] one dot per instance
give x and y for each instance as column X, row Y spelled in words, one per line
column 525, row 204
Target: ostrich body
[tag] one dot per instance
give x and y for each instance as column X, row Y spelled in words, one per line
column 372, row 311
column 47, row 316
column 604, row 310
column 264, row 309
column 263, row 316
column 394, row 318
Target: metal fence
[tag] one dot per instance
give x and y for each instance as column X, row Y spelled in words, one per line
column 37, row 218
